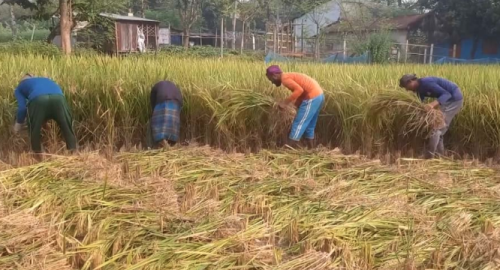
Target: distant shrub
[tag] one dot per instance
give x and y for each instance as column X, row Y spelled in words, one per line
column 25, row 47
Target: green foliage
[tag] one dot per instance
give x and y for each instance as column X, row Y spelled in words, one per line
column 378, row 46
column 208, row 52
column 21, row 47
column 466, row 18
column 166, row 17
column 39, row 35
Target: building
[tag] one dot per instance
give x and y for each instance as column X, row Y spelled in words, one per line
column 400, row 29
column 130, row 34
column 311, row 23
column 128, row 30
column 310, row 26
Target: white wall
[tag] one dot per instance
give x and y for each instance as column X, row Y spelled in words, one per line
column 399, row 36
column 164, row 36
column 323, row 15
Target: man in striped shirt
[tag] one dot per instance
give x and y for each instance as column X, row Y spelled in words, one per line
column 307, row 95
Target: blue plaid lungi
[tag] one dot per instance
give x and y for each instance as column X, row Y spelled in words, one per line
column 165, row 124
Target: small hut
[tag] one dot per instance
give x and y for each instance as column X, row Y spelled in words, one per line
column 133, row 34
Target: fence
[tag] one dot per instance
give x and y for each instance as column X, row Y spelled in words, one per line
column 342, row 49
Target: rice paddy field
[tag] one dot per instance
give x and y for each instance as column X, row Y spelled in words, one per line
column 234, row 199
column 229, row 103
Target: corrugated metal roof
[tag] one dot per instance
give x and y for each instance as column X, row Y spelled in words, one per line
column 397, row 23
column 126, row 18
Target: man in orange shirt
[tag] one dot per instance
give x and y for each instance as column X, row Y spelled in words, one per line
column 307, row 96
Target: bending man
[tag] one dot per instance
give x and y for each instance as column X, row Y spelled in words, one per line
column 41, row 99
column 307, row 96
column 166, row 104
column 448, row 97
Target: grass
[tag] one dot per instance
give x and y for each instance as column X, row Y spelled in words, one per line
column 228, row 103
column 39, row 35
column 196, row 208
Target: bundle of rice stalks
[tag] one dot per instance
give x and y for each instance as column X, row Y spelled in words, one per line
column 259, row 111
column 401, row 112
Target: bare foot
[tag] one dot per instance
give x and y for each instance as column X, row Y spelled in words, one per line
column 38, row 157
column 163, row 144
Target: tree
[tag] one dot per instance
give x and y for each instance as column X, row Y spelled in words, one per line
column 189, row 11
column 247, row 11
column 460, row 19
column 66, row 19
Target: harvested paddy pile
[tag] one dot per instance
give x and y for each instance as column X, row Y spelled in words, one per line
column 196, row 208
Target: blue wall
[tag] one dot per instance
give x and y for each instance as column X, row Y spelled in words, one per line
column 443, row 50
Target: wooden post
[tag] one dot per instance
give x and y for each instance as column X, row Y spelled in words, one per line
column 454, row 50
column 425, row 56
column 294, row 43
column 280, row 38
column 302, row 36
column 157, row 33
column 407, row 50
column 431, row 55
column 345, row 48
column 242, row 45
column 222, row 38
column 33, row 32
column 116, row 38
column 201, row 38
column 253, row 41
column 146, row 34
column 275, row 38
column 216, row 38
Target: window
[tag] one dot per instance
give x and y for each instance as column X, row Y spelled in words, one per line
column 490, row 47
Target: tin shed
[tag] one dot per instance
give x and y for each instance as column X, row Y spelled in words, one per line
column 128, row 31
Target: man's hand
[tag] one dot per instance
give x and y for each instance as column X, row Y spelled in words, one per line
column 283, row 104
column 17, row 128
column 431, row 106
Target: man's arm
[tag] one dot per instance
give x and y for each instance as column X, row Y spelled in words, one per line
column 298, row 102
column 421, row 96
column 21, row 106
column 444, row 95
column 296, row 89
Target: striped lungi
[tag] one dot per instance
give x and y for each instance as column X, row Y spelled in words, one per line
column 165, row 124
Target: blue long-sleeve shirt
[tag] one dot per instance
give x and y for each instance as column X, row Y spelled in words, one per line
column 444, row 90
column 31, row 88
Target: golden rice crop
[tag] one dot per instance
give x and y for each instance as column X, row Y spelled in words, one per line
column 196, row 208
column 228, row 102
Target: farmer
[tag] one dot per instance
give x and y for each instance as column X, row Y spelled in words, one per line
column 166, row 104
column 307, row 96
column 448, row 97
column 41, row 100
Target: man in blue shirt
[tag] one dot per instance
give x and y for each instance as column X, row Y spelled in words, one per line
column 40, row 100
column 448, row 97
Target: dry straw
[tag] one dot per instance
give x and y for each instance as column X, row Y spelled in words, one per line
column 197, row 208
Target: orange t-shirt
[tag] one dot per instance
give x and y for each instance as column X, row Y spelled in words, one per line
column 302, row 86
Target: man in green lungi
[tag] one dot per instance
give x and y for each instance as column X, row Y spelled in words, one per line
column 41, row 100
